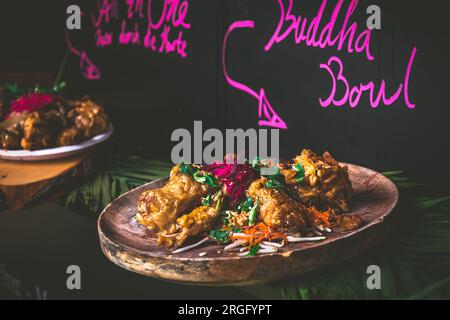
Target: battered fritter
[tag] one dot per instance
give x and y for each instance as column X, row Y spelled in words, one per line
column 326, row 184
column 159, row 209
column 200, row 220
column 87, row 119
column 277, row 209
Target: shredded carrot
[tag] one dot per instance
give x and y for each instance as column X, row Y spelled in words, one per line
column 257, row 234
column 324, row 218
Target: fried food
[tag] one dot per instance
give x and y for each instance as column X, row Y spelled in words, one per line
column 193, row 224
column 11, row 131
column 326, row 184
column 303, row 197
column 277, row 209
column 41, row 128
column 38, row 132
column 159, row 209
column 62, row 123
column 87, row 119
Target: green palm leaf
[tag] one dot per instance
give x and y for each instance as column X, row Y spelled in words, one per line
column 417, row 266
column 121, row 174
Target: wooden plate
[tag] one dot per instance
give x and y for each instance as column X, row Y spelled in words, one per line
column 134, row 248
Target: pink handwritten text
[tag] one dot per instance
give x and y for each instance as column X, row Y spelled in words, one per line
column 321, row 33
column 310, row 36
column 136, row 23
column 352, row 95
column 89, row 69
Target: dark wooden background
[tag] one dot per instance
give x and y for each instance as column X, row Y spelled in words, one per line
column 149, row 95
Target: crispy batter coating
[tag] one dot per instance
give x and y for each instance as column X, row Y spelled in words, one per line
column 87, row 120
column 200, row 220
column 326, row 183
column 37, row 132
column 277, row 209
column 159, row 209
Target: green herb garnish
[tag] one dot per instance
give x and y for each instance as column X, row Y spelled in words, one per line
column 225, row 216
column 275, row 181
column 205, row 178
column 253, row 214
column 237, row 230
column 246, row 205
column 274, row 184
column 219, row 200
column 186, row 168
column 221, row 236
column 300, row 176
column 207, row 200
column 253, row 250
column 17, row 91
column 256, row 164
column 198, row 175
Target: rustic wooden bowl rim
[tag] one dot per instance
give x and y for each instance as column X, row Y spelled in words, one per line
column 163, row 255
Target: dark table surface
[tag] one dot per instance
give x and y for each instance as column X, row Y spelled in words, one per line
column 37, row 246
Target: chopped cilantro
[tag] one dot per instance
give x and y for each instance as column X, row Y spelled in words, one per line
column 198, row 175
column 275, row 181
column 300, row 176
column 205, row 178
column 186, row 168
column 246, row 205
column 274, row 184
column 237, row 230
column 253, row 250
column 221, row 236
column 207, row 200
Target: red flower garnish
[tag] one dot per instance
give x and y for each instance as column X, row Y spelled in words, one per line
column 32, row 102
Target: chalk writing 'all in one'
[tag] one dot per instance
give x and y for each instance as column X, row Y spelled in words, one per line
column 137, row 23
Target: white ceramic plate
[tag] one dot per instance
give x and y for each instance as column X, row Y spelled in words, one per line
column 55, row 153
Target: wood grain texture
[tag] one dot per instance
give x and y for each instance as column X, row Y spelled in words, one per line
column 133, row 247
column 20, row 182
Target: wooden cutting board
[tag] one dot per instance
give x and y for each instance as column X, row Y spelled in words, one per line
column 22, row 182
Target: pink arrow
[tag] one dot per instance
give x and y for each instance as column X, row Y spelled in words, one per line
column 266, row 113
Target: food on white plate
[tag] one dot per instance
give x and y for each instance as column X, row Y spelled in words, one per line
column 42, row 118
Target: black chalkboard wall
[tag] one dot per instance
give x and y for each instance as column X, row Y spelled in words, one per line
column 149, row 94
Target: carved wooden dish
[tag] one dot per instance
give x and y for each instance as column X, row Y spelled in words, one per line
column 133, row 247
